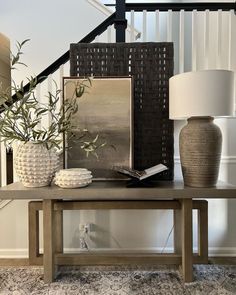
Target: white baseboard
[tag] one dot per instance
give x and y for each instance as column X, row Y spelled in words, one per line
column 222, row 251
column 14, row 253
column 213, row 251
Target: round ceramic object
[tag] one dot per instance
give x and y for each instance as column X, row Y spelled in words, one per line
column 73, row 178
column 74, row 171
column 74, row 174
column 35, row 165
column 72, row 184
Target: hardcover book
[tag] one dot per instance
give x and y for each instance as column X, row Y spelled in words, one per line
column 141, row 175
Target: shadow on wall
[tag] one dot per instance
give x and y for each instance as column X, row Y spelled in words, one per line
column 231, row 178
column 222, row 230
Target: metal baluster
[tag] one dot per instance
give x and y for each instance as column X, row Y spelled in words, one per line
column 157, row 16
column 194, row 40
column 132, row 38
column 231, row 15
column 144, row 25
column 169, row 26
column 206, row 38
column 219, row 39
column 181, row 41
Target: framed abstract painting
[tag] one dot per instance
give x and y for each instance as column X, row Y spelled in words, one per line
column 105, row 116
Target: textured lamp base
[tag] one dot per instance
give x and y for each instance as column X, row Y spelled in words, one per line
column 200, row 152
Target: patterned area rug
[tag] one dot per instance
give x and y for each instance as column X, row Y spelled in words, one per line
column 209, row 279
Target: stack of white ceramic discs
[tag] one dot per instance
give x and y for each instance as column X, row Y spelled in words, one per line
column 73, row 178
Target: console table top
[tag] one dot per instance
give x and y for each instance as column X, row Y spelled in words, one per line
column 117, row 190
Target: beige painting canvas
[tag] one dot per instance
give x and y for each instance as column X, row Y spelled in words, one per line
column 105, row 110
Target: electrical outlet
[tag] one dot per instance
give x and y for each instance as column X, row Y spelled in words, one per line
column 83, row 244
column 86, row 227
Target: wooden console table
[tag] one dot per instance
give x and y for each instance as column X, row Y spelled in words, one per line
column 114, row 195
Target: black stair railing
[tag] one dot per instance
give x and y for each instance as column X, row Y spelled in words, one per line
column 189, row 6
column 175, row 6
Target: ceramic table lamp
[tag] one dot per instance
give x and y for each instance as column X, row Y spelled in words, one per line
column 199, row 97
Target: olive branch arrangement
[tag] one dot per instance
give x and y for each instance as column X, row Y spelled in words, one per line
column 20, row 120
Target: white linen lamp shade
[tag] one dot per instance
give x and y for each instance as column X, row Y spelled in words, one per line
column 202, row 93
column 200, row 96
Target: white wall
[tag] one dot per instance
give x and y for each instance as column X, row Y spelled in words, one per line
column 52, row 26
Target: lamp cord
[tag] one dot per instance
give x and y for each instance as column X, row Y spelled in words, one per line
column 167, row 240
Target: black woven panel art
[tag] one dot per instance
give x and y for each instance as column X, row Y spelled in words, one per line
column 151, row 65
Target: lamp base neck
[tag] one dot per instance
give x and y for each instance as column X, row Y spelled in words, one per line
column 200, row 119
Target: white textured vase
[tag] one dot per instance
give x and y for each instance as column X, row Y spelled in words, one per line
column 35, row 165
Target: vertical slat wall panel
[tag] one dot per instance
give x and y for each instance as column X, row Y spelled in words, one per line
column 201, row 42
column 113, row 34
column 219, row 39
column 132, row 38
column 67, row 69
column 109, row 34
column 49, row 80
column 3, row 164
column 157, row 26
column 169, row 26
column 97, row 39
column 49, row 89
column 144, row 26
column 14, row 148
column 206, row 38
column 194, row 40
column 181, row 41
column 230, row 16
column 61, row 75
column 38, row 96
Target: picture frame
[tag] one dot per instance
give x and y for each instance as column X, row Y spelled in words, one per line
column 106, row 111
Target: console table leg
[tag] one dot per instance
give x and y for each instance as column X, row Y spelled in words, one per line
column 177, row 219
column 48, row 241
column 187, row 240
column 58, row 222
column 203, row 231
column 33, row 217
